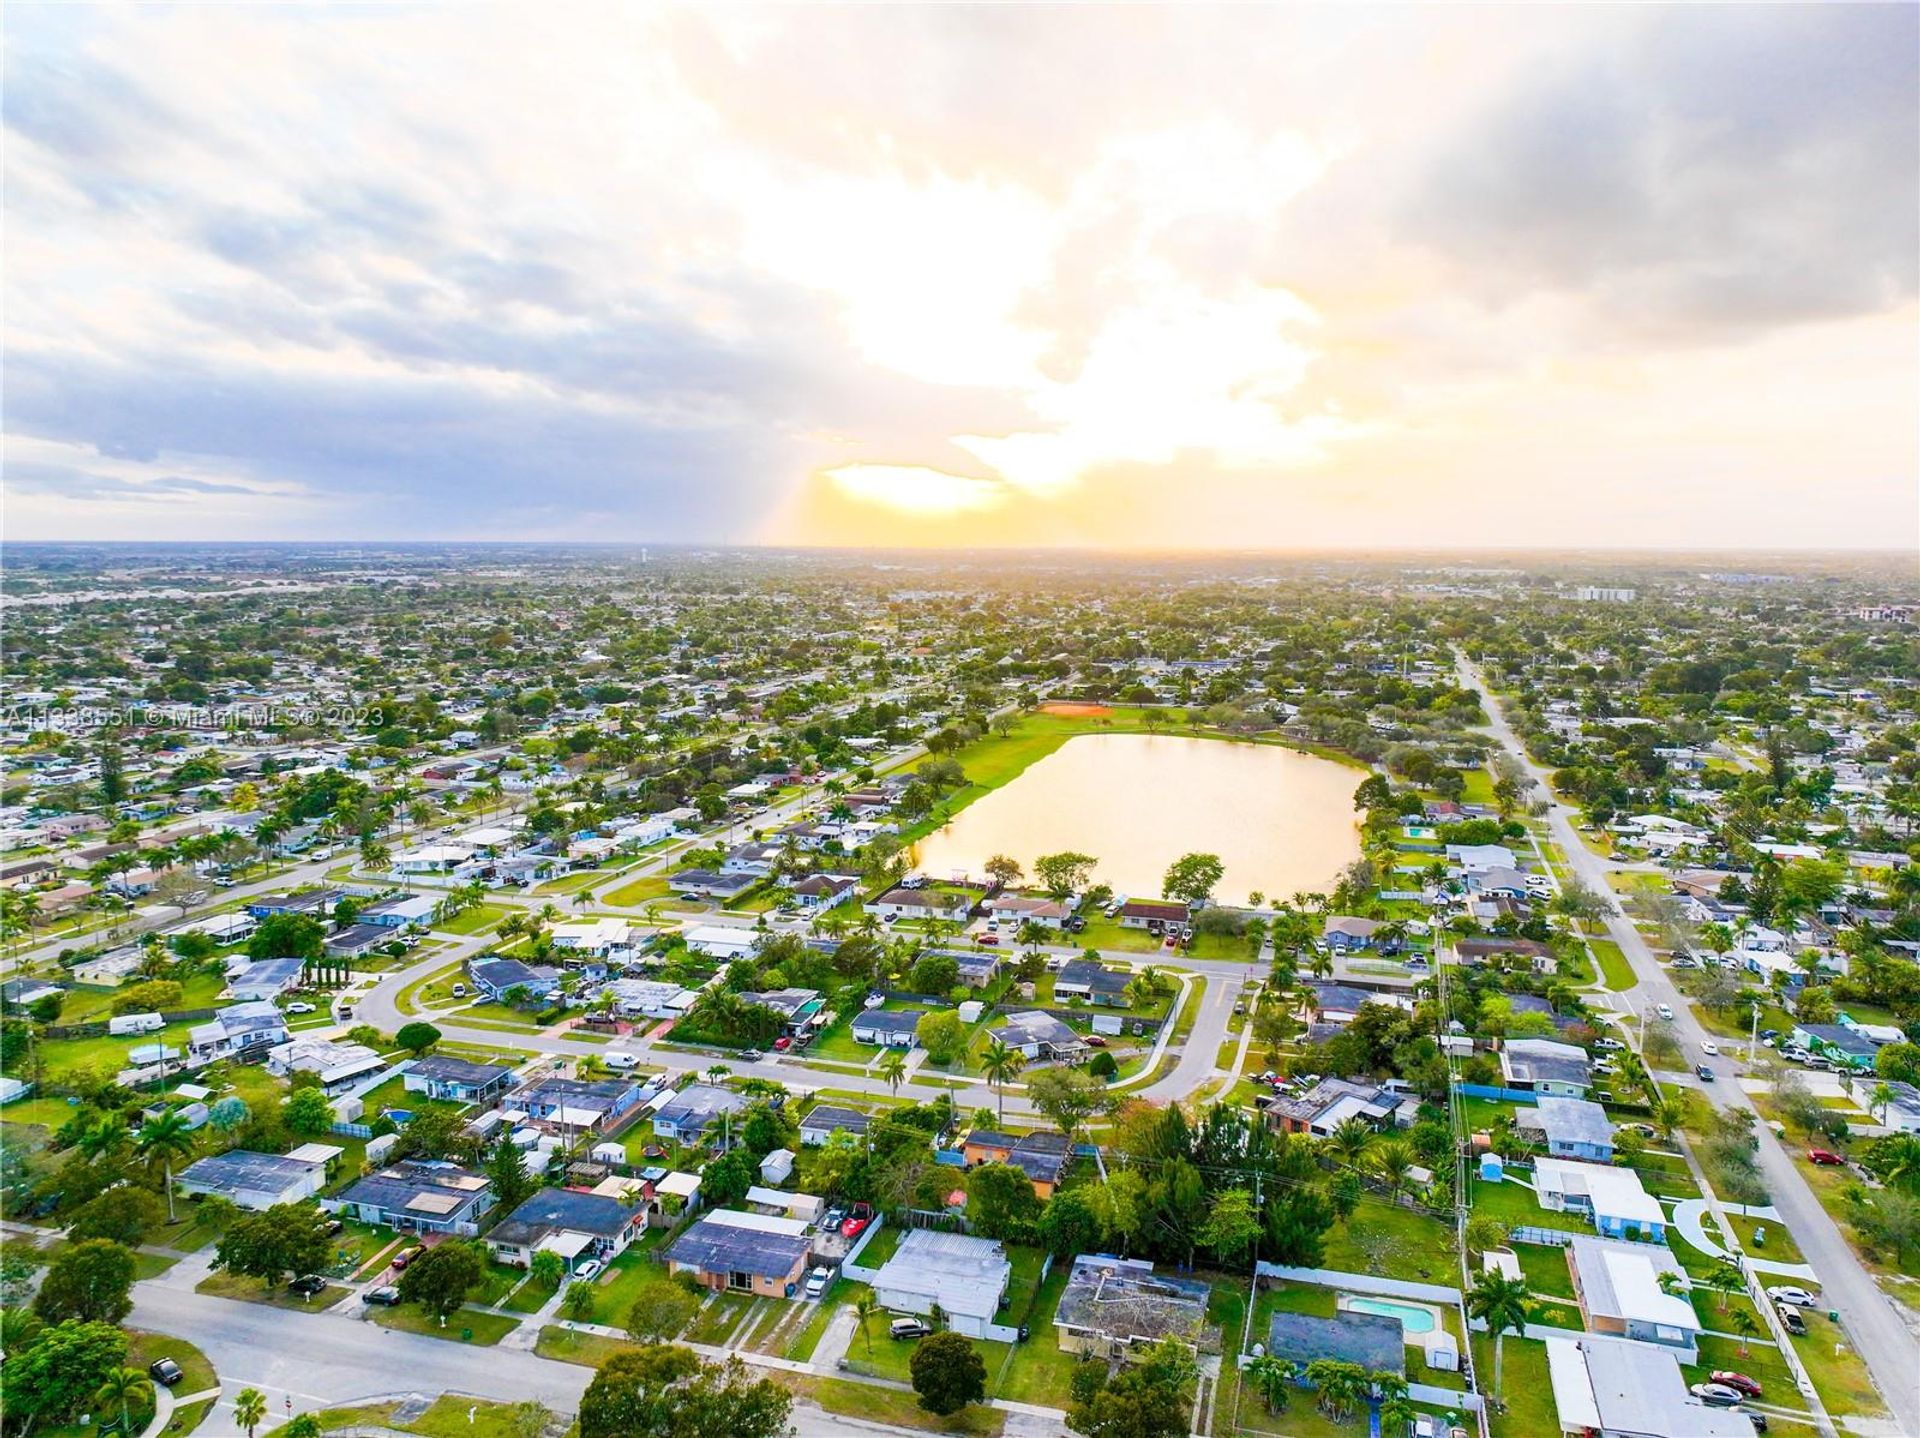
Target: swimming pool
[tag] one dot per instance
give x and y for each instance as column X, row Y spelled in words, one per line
column 1413, row 1318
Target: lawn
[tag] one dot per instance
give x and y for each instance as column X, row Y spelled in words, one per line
column 469, row 1325
column 222, row 1284
column 1779, row 1238
column 1518, row 1207
column 718, row 1318
column 475, row 920
column 1614, row 968
column 1526, row 1387
column 890, row 1406
column 807, row 1338
column 1842, row 1379
column 569, row 1346
column 1545, row 1269
column 146, row 1348
column 640, row 891
column 432, row 989
column 630, row 1275
column 1392, row 1242
column 447, row 1418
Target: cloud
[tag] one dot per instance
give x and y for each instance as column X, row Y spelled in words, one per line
column 685, row 273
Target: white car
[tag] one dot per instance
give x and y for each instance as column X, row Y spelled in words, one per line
column 1708, row 1046
column 590, row 1269
column 1665, row 1011
column 817, row 1281
column 1608, row 1044
column 301, row 1009
column 1795, row 1297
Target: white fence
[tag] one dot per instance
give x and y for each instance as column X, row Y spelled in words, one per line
column 850, row 1266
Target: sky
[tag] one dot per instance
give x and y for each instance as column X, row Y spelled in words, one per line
column 1133, row 277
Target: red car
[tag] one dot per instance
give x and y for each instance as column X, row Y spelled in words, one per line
column 1824, row 1156
column 857, row 1223
column 1094, row 1041
column 783, row 1044
column 1739, row 1382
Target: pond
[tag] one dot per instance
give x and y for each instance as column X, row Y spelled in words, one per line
column 1280, row 821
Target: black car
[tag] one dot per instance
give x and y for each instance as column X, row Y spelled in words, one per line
column 165, row 1371
column 1759, row 1421
column 1706, row 1074
column 308, row 1284
column 386, row 1295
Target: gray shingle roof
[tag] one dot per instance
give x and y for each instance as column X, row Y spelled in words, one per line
column 1372, row 1340
column 714, row 1247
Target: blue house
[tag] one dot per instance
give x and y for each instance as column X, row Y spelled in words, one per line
column 1570, row 1128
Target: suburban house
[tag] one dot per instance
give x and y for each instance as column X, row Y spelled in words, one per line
column 1836, row 1043
column 592, row 1104
column 820, row 892
column 1618, row 1288
column 977, row 970
column 710, row 884
column 1017, row 909
column 1500, row 883
column 1341, row 1003
column 966, row 1277
column 1042, row 1157
column 573, row 1225
column 425, row 1196
column 1039, row 1036
column 719, row 941
column 923, row 904
column 687, row 1115
column 1546, row 1066
column 1606, row 1387
column 1569, row 1127
column 1613, row 1198
column 1377, row 1342
column 889, row 1027
column 495, row 978
column 455, row 1080
column 1477, row 951
column 650, row 998
column 1081, row 979
column 825, row 1120
column 359, row 941
column 1115, row 1307
column 1331, row 1102
column 336, row 1065
column 757, row 1253
column 239, row 1029
column 264, row 981
column 1477, row 858
column 757, row 859
column 1347, row 933
column 401, row 911
column 1901, row 1113
column 25, row 993
column 599, row 937
column 1152, row 914
column 256, row 1180
column 799, row 1009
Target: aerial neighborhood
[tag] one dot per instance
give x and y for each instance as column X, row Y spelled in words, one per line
column 1507, row 1024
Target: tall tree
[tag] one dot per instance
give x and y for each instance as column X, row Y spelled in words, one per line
column 1501, row 1303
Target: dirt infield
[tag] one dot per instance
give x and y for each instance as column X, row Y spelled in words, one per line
column 1077, row 711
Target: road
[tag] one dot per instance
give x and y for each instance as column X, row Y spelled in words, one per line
column 327, row 1360
column 1878, row 1328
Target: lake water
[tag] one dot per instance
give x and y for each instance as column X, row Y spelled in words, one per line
column 1280, row 821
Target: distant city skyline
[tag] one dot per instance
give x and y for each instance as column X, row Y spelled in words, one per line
column 1275, row 279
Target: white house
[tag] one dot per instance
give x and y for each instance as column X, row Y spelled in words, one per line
column 967, row 1277
column 1613, row 1198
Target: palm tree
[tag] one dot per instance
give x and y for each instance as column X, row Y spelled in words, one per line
column 1882, row 1096
column 864, row 1308
column 1392, row 1161
column 1349, row 1139
column 1723, row 1280
column 1001, row 1062
column 104, row 1136
column 250, row 1409
column 1501, row 1303
column 1746, row 1325
column 1272, row 1378
column 893, row 1068
column 162, row 1140
column 122, row 1386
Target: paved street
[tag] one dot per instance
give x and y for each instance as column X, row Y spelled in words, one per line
column 1880, row 1330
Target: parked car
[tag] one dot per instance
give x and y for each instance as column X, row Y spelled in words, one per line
column 1758, row 1420
column 590, row 1269
column 308, row 1284
column 335, row 1227
column 1792, row 1297
column 386, row 1295
column 404, row 1257
column 832, row 1220
column 1825, row 1157
column 1797, row 1055
column 459, row 991
column 1820, row 1064
column 165, row 1371
column 856, row 1222
column 752, row 1056
column 1716, row 1395
column 991, row 941
column 1791, row 1320
column 300, row 1008
column 1608, row 1044
column 1094, row 1041
column 817, row 1281
column 904, row 1328
column 1737, row 1381
column 782, row 1044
